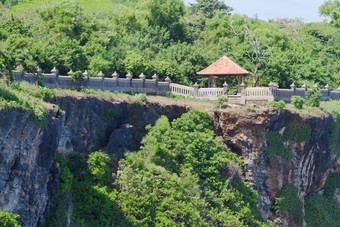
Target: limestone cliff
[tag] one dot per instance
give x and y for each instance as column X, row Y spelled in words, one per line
column 244, row 133
column 29, row 176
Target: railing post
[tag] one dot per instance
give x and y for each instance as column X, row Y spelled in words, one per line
column 102, row 75
column 129, row 76
column 167, row 79
column 55, row 71
column 115, row 76
column 316, row 87
column 86, row 75
column 328, row 91
column 155, row 78
column 39, row 71
column 196, row 90
column 243, row 93
column 225, row 89
column 338, row 89
column 293, row 87
column 70, row 75
column 142, row 77
column 304, row 86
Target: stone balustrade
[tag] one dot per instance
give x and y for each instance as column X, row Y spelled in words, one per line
column 153, row 86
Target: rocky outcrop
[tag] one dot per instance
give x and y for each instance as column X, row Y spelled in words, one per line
column 244, row 133
column 27, row 153
column 28, row 174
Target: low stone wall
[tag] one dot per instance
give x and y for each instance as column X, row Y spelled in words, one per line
column 259, row 95
column 126, row 85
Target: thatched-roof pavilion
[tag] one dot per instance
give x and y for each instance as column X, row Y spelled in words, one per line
column 223, row 67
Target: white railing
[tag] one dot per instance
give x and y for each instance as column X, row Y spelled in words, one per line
column 209, row 92
column 181, row 90
column 258, row 91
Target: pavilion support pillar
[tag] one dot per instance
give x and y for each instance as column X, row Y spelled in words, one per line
column 210, row 79
column 239, row 83
column 213, row 81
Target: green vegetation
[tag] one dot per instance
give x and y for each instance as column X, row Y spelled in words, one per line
column 277, row 104
column 221, row 101
column 314, row 97
column 302, row 135
column 56, row 216
column 320, row 211
column 287, row 200
column 19, row 97
column 181, row 176
column 335, row 134
column 141, row 97
column 177, row 41
column 276, row 147
column 8, row 219
column 297, row 102
column 332, row 183
column 77, row 76
column 108, row 115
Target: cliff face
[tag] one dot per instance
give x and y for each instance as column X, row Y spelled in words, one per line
column 29, row 179
column 244, row 133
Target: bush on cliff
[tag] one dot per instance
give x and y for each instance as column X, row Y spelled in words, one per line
column 297, row 102
column 8, row 219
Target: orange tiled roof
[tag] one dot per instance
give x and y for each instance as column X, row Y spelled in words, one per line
column 223, row 67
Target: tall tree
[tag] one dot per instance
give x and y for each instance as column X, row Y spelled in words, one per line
column 210, row 7
column 259, row 52
column 331, row 9
column 165, row 13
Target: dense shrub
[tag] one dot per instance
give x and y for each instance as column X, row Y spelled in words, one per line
column 221, row 100
column 77, row 76
column 108, row 115
column 179, row 178
column 297, row 102
column 335, row 134
column 276, row 147
column 287, row 199
column 321, row 212
column 56, row 215
column 8, row 219
column 314, row 97
column 277, row 104
column 302, row 135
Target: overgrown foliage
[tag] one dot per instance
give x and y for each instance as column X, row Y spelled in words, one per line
column 77, row 76
column 167, row 38
column 320, row 211
column 277, row 104
column 8, row 219
column 297, row 102
column 335, row 134
column 108, row 115
column 332, row 183
column 22, row 97
column 276, row 147
column 56, row 216
column 287, row 200
column 314, row 97
column 198, row 188
column 181, row 176
column 302, row 135
column 221, row 101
